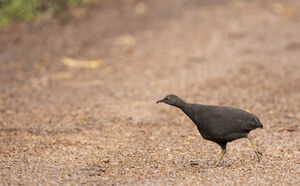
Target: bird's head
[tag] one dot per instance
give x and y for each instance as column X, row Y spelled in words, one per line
column 172, row 100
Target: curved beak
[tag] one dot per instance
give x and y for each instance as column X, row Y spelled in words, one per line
column 162, row 100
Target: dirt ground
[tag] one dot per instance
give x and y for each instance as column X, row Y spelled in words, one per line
column 78, row 93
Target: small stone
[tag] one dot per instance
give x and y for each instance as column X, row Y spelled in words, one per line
column 106, row 160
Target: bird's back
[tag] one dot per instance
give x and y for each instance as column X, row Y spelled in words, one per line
column 220, row 123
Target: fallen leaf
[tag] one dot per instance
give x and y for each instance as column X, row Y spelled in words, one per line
column 283, row 9
column 74, row 63
column 35, row 111
column 141, row 8
column 126, row 40
column 290, row 129
column 60, row 75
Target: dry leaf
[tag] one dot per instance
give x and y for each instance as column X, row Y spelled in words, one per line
column 289, row 129
column 126, row 40
column 74, row 63
column 61, row 75
column 283, row 9
column 141, row 8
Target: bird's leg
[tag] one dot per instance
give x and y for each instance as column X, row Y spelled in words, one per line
column 258, row 154
column 223, row 146
column 220, row 157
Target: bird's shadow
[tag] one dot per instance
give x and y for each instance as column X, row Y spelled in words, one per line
column 208, row 164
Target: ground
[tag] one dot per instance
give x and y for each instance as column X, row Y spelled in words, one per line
column 78, row 93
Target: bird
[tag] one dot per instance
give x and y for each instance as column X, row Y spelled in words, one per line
column 219, row 124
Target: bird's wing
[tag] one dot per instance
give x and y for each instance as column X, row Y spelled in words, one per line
column 228, row 119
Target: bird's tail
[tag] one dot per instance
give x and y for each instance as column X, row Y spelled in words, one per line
column 259, row 124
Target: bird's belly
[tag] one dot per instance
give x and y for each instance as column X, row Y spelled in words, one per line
column 223, row 138
column 220, row 135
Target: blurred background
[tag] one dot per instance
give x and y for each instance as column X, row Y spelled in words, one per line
column 79, row 80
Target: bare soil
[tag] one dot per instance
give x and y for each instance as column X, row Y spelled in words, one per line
column 70, row 123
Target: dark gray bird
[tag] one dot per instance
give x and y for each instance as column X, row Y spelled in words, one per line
column 219, row 124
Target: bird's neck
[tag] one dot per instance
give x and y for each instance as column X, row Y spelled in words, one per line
column 180, row 105
column 191, row 109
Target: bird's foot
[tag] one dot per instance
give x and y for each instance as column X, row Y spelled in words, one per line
column 215, row 165
column 258, row 154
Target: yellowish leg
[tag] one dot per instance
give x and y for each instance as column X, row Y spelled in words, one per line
column 258, row 154
column 220, row 157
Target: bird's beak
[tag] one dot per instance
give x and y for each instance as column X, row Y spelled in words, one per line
column 162, row 100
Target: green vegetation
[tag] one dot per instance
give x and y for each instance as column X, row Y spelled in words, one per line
column 23, row 10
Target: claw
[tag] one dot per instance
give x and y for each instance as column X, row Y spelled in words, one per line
column 219, row 158
column 258, row 154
